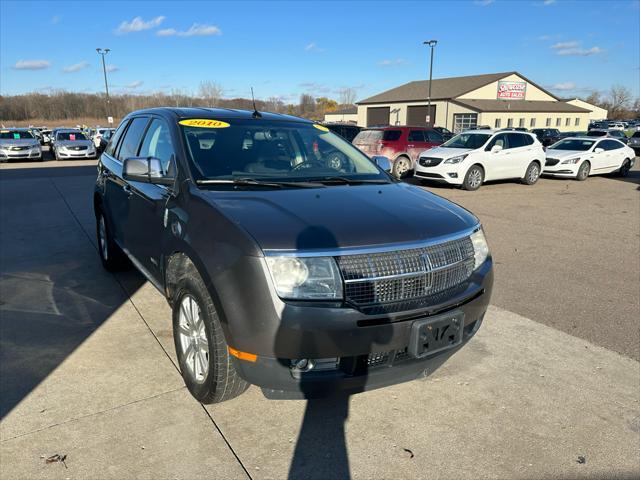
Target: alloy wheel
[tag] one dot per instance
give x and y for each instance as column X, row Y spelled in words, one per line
column 534, row 173
column 475, row 178
column 193, row 339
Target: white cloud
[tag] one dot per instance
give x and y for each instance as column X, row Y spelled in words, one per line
column 313, row 47
column 112, row 68
column 196, row 30
column 483, row 3
column 138, row 24
column 32, row 64
column 134, row 85
column 76, row 67
column 392, row 62
column 55, row 19
column 573, row 48
column 565, row 45
column 563, row 86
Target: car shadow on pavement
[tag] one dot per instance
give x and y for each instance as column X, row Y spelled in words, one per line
column 321, row 450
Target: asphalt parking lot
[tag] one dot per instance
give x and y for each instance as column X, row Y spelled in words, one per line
column 549, row 387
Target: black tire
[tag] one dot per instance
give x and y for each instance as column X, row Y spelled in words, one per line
column 220, row 381
column 401, row 166
column 624, row 169
column 111, row 255
column 474, row 178
column 532, row 175
column 583, row 171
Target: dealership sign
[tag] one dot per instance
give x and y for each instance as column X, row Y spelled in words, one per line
column 512, row 90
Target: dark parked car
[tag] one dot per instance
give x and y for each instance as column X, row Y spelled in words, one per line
column 280, row 251
column 547, row 136
column 617, row 134
column 634, row 142
column 445, row 132
column 104, row 139
column 348, row 131
column 403, row 145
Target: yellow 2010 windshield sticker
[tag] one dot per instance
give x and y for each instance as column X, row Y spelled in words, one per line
column 321, row 127
column 204, row 123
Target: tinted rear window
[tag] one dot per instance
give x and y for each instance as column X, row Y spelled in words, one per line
column 595, row 133
column 131, row 141
column 368, row 136
column 636, row 135
column 392, row 135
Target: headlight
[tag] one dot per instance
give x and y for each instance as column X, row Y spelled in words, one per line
column 480, row 247
column 457, row 159
column 306, row 278
column 571, row 161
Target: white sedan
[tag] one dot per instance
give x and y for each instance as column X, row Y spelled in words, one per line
column 579, row 157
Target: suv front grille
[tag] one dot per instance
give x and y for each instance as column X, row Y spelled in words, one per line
column 406, row 277
column 429, row 161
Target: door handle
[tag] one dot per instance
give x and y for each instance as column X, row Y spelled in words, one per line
column 127, row 190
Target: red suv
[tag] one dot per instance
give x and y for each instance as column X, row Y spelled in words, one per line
column 402, row 145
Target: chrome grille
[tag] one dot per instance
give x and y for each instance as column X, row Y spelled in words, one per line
column 405, row 276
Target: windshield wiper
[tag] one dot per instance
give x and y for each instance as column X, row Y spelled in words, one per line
column 348, row 181
column 244, row 182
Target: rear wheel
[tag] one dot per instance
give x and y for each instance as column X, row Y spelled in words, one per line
column 474, row 178
column 206, row 366
column 401, row 166
column 624, row 169
column 532, row 175
column 583, row 171
column 112, row 257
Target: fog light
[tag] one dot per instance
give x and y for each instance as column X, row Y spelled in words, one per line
column 453, row 175
column 302, row 364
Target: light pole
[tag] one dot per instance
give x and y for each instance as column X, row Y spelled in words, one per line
column 102, row 53
column 432, row 44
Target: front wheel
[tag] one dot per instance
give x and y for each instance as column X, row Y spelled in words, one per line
column 532, row 175
column 401, row 166
column 583, row 171
column 474, row 178
column 206, row 366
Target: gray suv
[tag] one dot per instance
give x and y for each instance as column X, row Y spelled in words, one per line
column 281, row 252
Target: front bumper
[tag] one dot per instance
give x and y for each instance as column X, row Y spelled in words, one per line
column 562, row 170
column 444, row 172
column 77, row 154
column 21, row 155
column 372, row 351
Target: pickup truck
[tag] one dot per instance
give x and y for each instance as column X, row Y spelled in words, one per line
column 280, row 249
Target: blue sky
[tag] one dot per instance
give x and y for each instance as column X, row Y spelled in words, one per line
column 287, row 48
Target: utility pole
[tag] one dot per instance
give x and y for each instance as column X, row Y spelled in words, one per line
column 432, row 44
column 102, row 53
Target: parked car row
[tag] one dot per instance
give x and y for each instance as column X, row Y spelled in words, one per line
column 19, row 143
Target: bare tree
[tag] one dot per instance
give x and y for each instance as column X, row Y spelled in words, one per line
column 620, row 98
column 307, row 105
column 211, row 92
column 347, row 96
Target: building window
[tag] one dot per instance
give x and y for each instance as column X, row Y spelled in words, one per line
column 464, row 121
column 498, row 122
column 532, row 122
column 521, row 123
column 510, row 123
column 558, row 122
column 567, row 122
column 548, row 122
column 577, row 121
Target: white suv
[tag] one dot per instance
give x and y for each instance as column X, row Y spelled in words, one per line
column 471, row 158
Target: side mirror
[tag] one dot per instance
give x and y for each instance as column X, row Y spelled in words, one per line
column 598, row 150
column 145, row 169
column 496, row 148
column 383, row 162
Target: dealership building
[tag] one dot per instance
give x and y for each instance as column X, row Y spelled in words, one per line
column 496, row 100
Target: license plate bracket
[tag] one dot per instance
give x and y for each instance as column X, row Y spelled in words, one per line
column 435, row 334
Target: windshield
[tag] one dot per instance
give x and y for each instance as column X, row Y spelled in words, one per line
column 285, row 151
column 14, row 134
column 467, row 140
column 72, row 136
column 573, row 144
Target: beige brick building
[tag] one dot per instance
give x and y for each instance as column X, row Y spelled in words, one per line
column 497, row 100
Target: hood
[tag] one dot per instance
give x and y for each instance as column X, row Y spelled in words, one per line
column 562, row 154
column 445, row 152
column 74, row 143
column 341, row 216
column 18, row 142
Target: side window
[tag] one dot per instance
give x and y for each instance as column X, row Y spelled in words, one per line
column 500, row 140
column 527, row 139
column 113, row 141
column 516, row 140
column 610, row 145
column 416, row 136
column 157, row 143
column 131, row 141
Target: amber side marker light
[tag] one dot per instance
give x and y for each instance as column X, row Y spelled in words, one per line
column 249, row 357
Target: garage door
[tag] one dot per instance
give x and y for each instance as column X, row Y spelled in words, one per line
column 378, row 116
column 417, row 115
